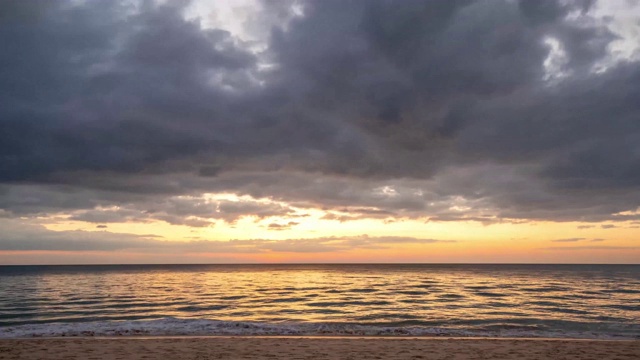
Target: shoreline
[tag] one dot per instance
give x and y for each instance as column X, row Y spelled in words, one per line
column 177, row 327
column 336, row 337
column 315, row 347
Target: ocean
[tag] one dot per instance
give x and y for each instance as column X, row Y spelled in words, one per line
column 584, row 301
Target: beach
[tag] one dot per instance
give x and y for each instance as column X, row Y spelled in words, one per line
column 354, row 348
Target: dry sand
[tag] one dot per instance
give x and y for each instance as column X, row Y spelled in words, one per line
column 254, row 348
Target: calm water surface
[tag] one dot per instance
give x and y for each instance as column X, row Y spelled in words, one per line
column 473, row 300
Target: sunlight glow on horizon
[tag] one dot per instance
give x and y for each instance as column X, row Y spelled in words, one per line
column 497, row 242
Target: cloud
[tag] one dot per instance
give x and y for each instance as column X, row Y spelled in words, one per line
column 196, row 211
column 112, row 89
column 569, row 240
column 24, row 237
column 569, row 248
column 278, row 226
column 442, row 111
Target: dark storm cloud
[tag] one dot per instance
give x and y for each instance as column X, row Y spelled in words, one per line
column 93, row 87
column 582, row 133
column 448, row 103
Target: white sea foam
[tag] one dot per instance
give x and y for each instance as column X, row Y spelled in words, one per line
column 203, row 327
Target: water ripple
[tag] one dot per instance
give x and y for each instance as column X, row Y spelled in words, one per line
column 546, row 299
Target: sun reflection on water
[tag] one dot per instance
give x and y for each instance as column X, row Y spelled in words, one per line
column 364, row 294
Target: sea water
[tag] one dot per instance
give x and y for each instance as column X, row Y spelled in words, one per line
column 589, row 301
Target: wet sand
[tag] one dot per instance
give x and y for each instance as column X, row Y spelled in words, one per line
column 256, row 348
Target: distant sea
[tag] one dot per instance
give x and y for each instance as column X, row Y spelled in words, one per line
column 585, row 301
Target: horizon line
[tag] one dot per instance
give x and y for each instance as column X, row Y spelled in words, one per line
column 319, row 263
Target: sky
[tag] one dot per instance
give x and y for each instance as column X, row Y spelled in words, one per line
column 146, row 131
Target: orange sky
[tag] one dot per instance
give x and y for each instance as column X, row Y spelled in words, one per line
column 325, row 241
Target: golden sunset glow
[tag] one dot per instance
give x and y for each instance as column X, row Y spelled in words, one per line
column 453, row 241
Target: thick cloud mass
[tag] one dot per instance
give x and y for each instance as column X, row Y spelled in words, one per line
column 367, row 109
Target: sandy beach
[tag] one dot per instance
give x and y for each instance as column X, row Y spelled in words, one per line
column 255, row 348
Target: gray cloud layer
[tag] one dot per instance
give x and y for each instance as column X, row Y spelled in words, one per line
column 447, row 102
column 21, row 237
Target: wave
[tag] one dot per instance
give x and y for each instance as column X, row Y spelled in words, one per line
column 203, row 327
column 366, row 290
column 490, row 294
column 195, row 308
column 347, row 303
column 621, row 291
